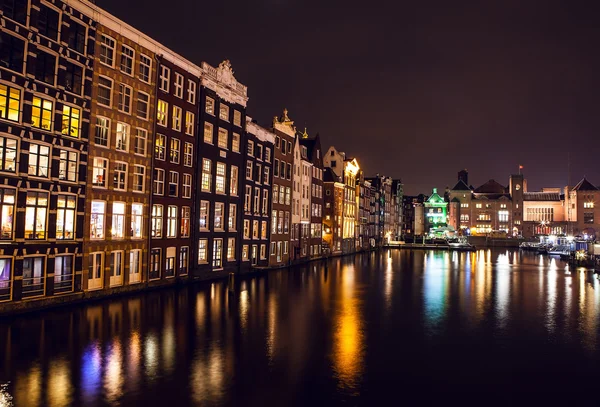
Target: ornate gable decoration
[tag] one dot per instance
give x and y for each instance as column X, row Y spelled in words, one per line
column 223, row 82
column 284, row 124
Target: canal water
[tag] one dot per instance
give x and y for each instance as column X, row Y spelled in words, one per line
column 414, row 328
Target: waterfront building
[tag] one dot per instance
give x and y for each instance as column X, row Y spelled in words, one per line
column 544, row 212
column 46, row 65
column 221, row 172
column 386, row 225
column 333, row 211
column 436, row 213
column 397, row 207
column 410, row 218
column 314, row 155
column 285, row 137
column 582, row 212
column 301, row 178
column 120, row 159
column 256, row 225
column 364, row 212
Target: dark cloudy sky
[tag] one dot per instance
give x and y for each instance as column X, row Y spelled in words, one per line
column 416, row 90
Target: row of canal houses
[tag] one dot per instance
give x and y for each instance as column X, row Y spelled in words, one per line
column 124, row 166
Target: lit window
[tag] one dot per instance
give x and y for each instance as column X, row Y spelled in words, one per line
column 191, row 97
column 217, row 253
column 188, row 154
column 118, row 220
column 206, row 175
column 139, row 178
column 222, row 138
column 97, row 220
column 41, row 113
column 265, row 202
column 177, row 112
column 185, row 221
column 233, row 181
column 39, row 160
column 158, row 188
column 275, row 193
column 221, row 178
column 7, row 211
column 70, row 121
column 248, row 198
column 104, row 96
column 245, row 252
column 63, row 274
column 141, row 138
column 171, row 221
column 588, row 205
column 219, row 214
column 99, row 172
column 267, row 176
column 178, row 85
column 157, row 218
column 250, row 148
column 173, row 183
column 249, row 170
column 127, row 56
column 124, row 101
column 208, row 133
column 268, row 154
column 235, row 142
column 223, row 112
column 67, row 168
column 478, row 206
column 210, row 106
column 256, row 200
column 8, row 154
column 237, row 118
column 231, row 222
column 34, row 280
column 143, row 103
column 135, row 259
column 231, row 248
column 116, row 268
column 102, row 131
column 174, row 151
column 162, row 113
column 263, row 230
column 160, row 149
column 189, row 123
column 107, row 50
column 246, row 229
column 187, row 186
column 202, row 251
column 120, row 177
column 204, row 215
column 255, row 229
column 165, row 75
column 145, row 68
column 137, row 220
column 122, row 137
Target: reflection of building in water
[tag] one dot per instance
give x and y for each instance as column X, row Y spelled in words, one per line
column 113, row 372
column 435, row 287
column 59, row 384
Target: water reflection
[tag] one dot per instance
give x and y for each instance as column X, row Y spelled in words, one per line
column 284, row 337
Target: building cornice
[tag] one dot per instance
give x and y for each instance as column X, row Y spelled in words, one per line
column 223, row 83
column 260, row 132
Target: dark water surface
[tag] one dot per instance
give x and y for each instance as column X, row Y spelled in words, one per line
column 416, row 328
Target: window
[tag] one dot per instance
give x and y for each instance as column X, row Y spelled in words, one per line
column 45, row 67
column 41, row 113
column 141, row 138
column 185, row 221
column 173, row 183
column 250, row 148
column 96, row 270
column 160, row 149
column 189, row 123
column 233, row 181
column 267, row 178
column 97, row 219
column 122, row 137
column 245, row 252
column 259, row 151
column 187, row 186
column 268, row 154
column 231, row 248
column 124, row 101
column 118, row 220
column 202, row 252
column 289, row 171
column 127, row 55
column 275, row 193
column 223, row 112
column 76, row 36
column 286, row 224
column 249, row 170
column 102, row 131
column 170, row 262
column 287, row 196
column 204, row 215
column 248, row 199
column 188, row 154
column 34, row 281
column 232, row 220
column 120, row 177
column 47, row 22
column 165, row 76
column 143, row 103
column 503, row 216
column 235, row 143
column 210, row 106
column 99, row 172
column 237, row 118
column 39, row 160
column 208, row 133
column 174, row 151
column 157, row 218
column 254, row 229
column 7, row 211
column 107, row 50
column 10, row 103
column 135, row 260
column 282, row 195
column 154, row 268
column 276, row 168
column 177, row 118
column 171, row 221
column 178, row 85
column 256, row 200
column 222, row 138
column 137, row 220
column 478, row 206
column 258, row 172
column 12, row 52
column 273, row 222
column 184, row 254
column 217, row 253
column 464, row 205
column 162, row 109
column 67, row 166
column 206, row 175
column 139, row 178
column 265, row 202
column 219, row 213
column 263, row 230
column 159, row 182
column 588, row 205
column 70, row 121
column 105, row 86
column 191, row 97
column 246, row 228
column 221, row 178
column 71, row 78
column 588, row 217
column 145, row 67
column 63, row 274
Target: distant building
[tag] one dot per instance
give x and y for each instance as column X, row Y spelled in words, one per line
column 436, row 213
column 314, row 155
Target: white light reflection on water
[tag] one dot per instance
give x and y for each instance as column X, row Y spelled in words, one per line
column 503, row 274
column 551, row 292
column 113, row 374
column 151, row 356
column 208, row 377
column 388, row 273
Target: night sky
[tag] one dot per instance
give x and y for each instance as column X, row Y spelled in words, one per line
column 416, row 90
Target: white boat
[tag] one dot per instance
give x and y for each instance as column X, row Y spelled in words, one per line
column 559, row 250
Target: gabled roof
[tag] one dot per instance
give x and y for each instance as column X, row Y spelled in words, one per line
column 491, row 187
column 584, row 185
column 329, row 175
column 541, row 196
column 461, row 186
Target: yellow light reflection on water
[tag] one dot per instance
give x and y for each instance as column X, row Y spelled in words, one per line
column 113, row 375
column 208, row 377
column 28, row 387
column 59, row 384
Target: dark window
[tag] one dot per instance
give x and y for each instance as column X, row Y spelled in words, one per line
column 15, row 10
column 11, row 51
column 588, row 217
column 72, row 77
column 154, row 271
column 44, row 67
column 48, row 22
column 76, row 38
